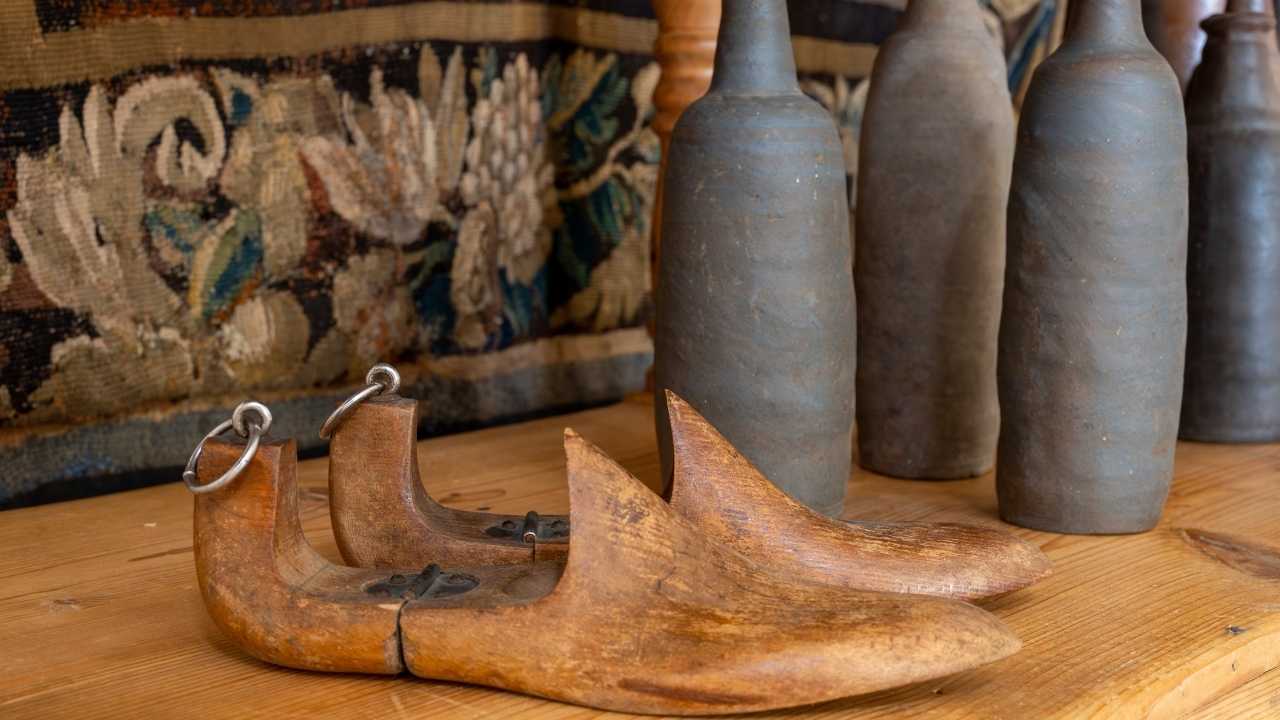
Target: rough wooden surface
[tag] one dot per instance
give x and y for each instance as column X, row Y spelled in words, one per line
column 383, row 516
column 100, row 615
column 654, row 616
column 728, row 499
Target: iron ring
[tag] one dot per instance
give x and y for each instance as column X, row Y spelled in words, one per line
column 250, row 448
column 238, row 421
column 373, row 388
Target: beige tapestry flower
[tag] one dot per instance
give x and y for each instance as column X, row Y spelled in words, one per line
column 264, row 345
column 446, row 96
column 474, row 287
column 507, row 167
column 372, row 306
column 77, row 220
column 264, row 169
column 124, row 366
column 150, row 108
column 384, row 180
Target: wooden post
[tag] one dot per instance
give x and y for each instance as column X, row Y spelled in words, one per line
column 686, row 51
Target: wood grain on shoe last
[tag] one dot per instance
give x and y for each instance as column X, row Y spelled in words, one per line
column 649, row 615
column 267, row 588
column 727, row 498
column 383, row 517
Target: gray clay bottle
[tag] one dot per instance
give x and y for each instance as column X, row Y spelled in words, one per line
column 755, row 293
column 1095, row 306
column 935, row 158
column 1174, row 29
column 1232, row 388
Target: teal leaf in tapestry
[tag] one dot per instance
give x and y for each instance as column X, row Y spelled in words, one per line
column 226, row 263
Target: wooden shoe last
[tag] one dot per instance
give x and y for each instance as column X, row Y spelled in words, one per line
column 648, row 614
column 725, row 496
column 383, row 517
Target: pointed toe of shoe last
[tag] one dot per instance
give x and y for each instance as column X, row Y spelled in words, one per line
column 652, row 616
column 722, row 493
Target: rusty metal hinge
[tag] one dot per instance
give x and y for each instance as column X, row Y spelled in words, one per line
column 432, row 582
column 533, row 530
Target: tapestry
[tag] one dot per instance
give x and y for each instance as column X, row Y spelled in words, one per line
column 203, row 201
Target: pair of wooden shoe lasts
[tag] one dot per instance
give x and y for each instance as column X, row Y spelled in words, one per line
column 731, row 598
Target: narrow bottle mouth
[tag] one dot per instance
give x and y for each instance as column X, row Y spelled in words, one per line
column 1239, row 22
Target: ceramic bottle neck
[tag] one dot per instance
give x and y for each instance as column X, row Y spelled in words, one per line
column 753, row 49
column 1105, row 21
column 1264, row 7
column 940, row 14
column 1240, row 64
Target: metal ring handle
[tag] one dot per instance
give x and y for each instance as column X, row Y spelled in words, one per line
column 238, row 421
column 255, row 432
column 373, row 388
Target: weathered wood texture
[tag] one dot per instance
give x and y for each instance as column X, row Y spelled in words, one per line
column 100, row 615
column 729, row 500
column 383, row 516
column 648, row 615
column 652, row 615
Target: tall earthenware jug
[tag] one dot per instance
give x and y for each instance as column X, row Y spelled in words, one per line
column 755, row 292
column 1174, row 29
column 1095, row 305
column 1232, row 389
column 934, row 162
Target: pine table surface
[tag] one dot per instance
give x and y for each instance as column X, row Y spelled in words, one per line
column 100, row 616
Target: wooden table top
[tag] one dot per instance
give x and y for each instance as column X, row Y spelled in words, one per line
column 100, row 616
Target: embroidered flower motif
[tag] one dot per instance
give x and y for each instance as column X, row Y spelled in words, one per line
column 474, row 288
column 372, row 306
column 445, row 93
column 383, row 181
column 77, row 219
column 264, row 170
column 78, row 224
column 266, row 345
column 507, row 167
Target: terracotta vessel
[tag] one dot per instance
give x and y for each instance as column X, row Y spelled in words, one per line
column 1094, row 324
column 648, row 615
column 1174, row 29
column 383, row 517
column 1232, row 388
column 935, row 157
column 755, row 293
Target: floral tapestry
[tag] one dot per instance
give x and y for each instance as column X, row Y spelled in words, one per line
column 206, row 201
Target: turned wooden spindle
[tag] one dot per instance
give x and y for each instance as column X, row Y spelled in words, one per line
column 686, row 52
